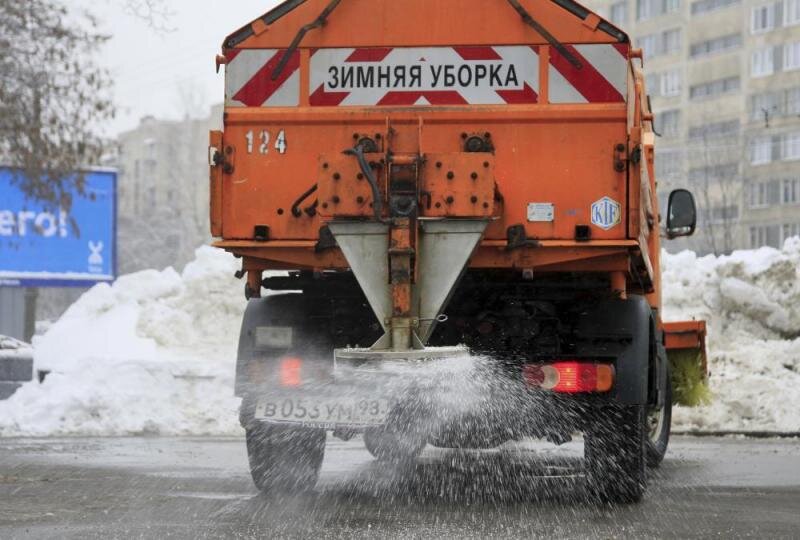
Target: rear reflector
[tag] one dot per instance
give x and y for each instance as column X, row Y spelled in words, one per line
column 290, row 372
column 570, row 377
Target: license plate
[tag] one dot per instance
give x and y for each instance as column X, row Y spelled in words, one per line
column 324, row 412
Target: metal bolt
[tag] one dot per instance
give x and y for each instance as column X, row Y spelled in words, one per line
column 324, row 165
column 336, row 199
column 487, row 135
column 620, row 147
column 449, row 199
column 451, row 175
column 485, row 164
column 324, row 205
column 280, row 211
column 356, row 136
column 474, row 199
column 360, row 176
column 438, row 164
column 486, row 205
column 474, row 176
column 464, row 135
column 360, row 199
column 336, row 176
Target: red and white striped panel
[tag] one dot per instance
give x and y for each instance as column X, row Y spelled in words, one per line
column 248, row 79
column 424, row 76
column 603, row 78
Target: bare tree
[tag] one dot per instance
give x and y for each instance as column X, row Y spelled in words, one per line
column 53, row 97
column 154, row 12
column 716, row 175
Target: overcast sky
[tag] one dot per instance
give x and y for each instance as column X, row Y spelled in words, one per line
column 166, row 74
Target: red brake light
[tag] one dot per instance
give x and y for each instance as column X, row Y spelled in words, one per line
column 290, row 372
column 570, row 376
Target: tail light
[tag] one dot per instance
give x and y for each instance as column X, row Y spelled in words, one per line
column 570, row 377
column 290, row 372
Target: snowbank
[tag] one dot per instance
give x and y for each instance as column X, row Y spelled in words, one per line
column 155, row 352
column 751, row 300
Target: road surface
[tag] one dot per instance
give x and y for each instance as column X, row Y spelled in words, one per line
column 200, row 488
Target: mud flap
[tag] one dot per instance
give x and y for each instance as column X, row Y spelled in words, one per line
column 620, row 330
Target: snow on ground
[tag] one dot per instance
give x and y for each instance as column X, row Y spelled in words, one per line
column 155, row 352
column 752, row 302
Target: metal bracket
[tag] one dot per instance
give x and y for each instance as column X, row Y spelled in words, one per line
column 518, row 238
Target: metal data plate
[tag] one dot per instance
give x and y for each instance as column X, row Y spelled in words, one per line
column 541, row 212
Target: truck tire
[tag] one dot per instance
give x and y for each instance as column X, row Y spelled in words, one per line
column 615, row 455
column 285, row 459
column 659, row 424
column 392, row 446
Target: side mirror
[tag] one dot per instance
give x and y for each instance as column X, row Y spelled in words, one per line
column 681, row 214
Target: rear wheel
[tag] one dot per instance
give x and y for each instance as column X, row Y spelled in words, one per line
column 615, row 454
column 285, row 459
column 386, row 444
column 659, row 423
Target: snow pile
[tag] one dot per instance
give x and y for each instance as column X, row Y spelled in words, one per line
column 154, row 353
column 751, row 300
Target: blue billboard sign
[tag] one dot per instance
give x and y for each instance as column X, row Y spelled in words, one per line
column 42, row 247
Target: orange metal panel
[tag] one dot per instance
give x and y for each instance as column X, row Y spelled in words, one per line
column 215, row 186
column 367, row 23
column 685, row 335
column 457, row 184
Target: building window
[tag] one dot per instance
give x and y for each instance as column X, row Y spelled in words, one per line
column 768, row 105
column 666, row 42
column 791, row 191
column 791, row 56
column 704, row 6
column 646, row 9
column 714, row 88
column 764, row 194
column 666, row 84
column 793, row 100
column 762, row 63
column 619, row 13
column 790, row 146
column 668, row 164
column 667, row 123
column 790, row 230
column 649, row 45
column 761, row 151
column 716, row 45
column 671, row 83
column 763, row 18
column 765, row 235
column 791, row 12
column 672, row 40
column 714, row 130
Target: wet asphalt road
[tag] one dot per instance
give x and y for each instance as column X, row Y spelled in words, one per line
column 200, row 488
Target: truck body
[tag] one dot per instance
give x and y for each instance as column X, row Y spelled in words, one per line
column 437, row 180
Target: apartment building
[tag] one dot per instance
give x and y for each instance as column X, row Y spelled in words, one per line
column 163, row 191
column 724, row 80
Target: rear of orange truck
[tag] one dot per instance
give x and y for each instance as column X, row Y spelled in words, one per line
column 440, row 182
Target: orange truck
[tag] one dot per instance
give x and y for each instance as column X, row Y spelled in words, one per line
column 412, row 183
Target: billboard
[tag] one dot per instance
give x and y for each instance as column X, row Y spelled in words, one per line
column 42, row 247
